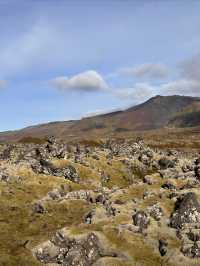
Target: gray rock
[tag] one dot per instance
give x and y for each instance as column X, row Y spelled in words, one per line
column 141, row 220
column 38, row 208
column 156, row 212
column 162, row 247
column 191, row 250
column 77, row 252
column 165, row 163
column 45, row 167
column 187, row 210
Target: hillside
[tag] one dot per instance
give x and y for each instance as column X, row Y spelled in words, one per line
column 188, row 117
column 156, row 113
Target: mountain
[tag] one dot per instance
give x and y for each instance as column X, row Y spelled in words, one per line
column 188, row 117
column 156, row 113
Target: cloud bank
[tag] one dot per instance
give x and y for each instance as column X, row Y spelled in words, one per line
column 147, row 70
column 87, row 81
column 138, row 93
column 188, row 82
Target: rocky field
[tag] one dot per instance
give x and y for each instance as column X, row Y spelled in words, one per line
column 117, row 203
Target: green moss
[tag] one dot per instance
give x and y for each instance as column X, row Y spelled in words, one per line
column 19, row 224
column 134, row 245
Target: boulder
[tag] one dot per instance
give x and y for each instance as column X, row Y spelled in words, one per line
column 187, row 210
column 165, row 163
column 141, row 219
column 38, row 208
column 156, row 212
column 77, row 251
column 162, row 247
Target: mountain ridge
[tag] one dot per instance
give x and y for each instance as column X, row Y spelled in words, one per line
column 156, row 113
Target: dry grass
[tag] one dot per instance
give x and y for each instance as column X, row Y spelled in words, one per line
column 19, row 224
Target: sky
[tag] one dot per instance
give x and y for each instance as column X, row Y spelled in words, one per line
column 68, row 59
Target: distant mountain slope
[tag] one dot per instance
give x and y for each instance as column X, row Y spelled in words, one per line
column 156, row 113
column 188, row 117
column 191, row 119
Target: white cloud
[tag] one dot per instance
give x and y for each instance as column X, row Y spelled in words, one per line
column 147, row 70
column 87, row 81
column 182, row 86
column 139, row 92
column 91, row 80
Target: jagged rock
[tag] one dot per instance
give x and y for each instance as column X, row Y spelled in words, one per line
column 48, row 254
column 45, row 167
column 156, row 212
column 149, row 180
column 193, row 183
column 165, row 163
column 4, row 177
column 111, row 211
column 141, row 220
column 193, row 235
column 96, row 157
column 105, row 178
column 171, row 173
column 88, row 217
column 5, row 152
column 51, row 140
column 79, row 194
column 191, row 250
column 197, row 161
column 101, row 198
column 38, row 208
column 187, row 168
column 173, row 195
column 144, row 159
column 146, row 194
column 197, row 171
column 69, row 172
column 109, row 156
column 146, row 156
column 42, row 167
column 56, row 194
column 163, row 247
column 168, row 185
column 187, row 210
column 172, row 153
column 7, row 176
column 72, row 251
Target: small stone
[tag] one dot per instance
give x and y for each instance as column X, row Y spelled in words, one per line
column 163, row 247
column 141, row 219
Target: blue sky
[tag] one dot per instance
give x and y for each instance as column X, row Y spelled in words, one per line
column 62, row 60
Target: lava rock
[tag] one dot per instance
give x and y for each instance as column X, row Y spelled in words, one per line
column 162, row 247
column 191, row 250
column 168, row 185
column 187, row 210
column 148, row 179
column 38, row 208
column 165, row 163
column 77, row 252
column 141, row 219
column 156, row 212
